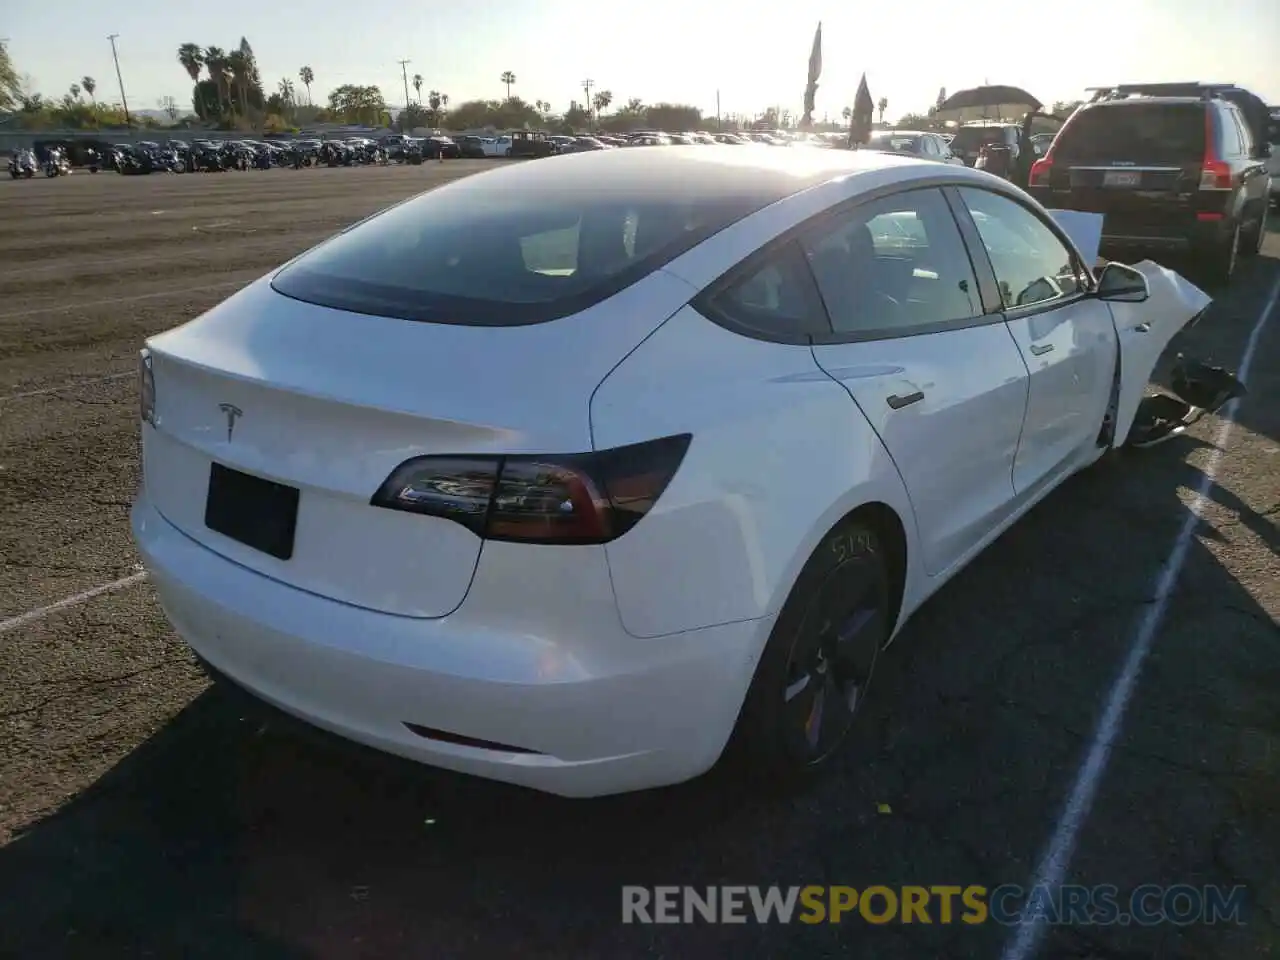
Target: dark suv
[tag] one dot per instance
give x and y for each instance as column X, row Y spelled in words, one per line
column 996, row 143
column 1172, row 167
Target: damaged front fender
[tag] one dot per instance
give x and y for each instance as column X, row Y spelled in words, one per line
column 1144, row 331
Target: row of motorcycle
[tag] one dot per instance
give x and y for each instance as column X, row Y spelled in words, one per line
column 207, row 156
column 24, row 165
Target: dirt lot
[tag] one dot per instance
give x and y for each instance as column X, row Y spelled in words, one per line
column 145, row 815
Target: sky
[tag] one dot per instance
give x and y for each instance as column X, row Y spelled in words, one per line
column 751, row 54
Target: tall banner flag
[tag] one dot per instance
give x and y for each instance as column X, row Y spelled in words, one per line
column 863, row 110
column 811, row 88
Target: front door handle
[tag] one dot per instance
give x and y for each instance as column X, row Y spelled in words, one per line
column 898, row 402
column 1142, row 328
column 1040, row 349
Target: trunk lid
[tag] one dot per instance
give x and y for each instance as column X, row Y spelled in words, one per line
column 329, row 403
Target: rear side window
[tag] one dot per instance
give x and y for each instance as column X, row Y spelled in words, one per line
column 1143, row 133
column 473, row 254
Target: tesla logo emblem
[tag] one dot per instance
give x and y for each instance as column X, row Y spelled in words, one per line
column 232, row 413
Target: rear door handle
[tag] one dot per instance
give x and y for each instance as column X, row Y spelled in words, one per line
column 898, row 402
column 1040, row 349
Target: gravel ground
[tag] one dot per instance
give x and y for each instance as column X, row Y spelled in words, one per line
column 145, row 814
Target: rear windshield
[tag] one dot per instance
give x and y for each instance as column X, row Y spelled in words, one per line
column 1137, row 132
column 906, row 144
column 971, row 138
column 514, row 247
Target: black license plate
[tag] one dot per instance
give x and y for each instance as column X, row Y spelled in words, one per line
column 259, row 513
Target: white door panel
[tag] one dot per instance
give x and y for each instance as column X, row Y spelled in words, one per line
column 949, row 409
column 1070, row 356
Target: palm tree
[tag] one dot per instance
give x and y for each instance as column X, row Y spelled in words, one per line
column 847, row 113
column 307, row 76
column 286, row 92
column 417, row 86
column 601, row 102
column 75, row 91
column 215, row 61
column 509, row 79
column 192, row 59
column 881, row 106
column 434, row 100
column 89, row 85
column 241, row 68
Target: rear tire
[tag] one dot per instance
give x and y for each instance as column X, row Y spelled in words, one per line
column 1251, row 245
column 1222, row 261
column 812, row 678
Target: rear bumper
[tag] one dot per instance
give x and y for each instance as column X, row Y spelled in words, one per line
column 1144, row 227
column 538, row 709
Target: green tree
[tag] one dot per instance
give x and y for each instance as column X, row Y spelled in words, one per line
column 215, row 64
column 417, row 86
column 509, row 79
column 307, row 76
column 10, row 84
column 192, row 59
column 576, row 117
column 355, row 103
column 89, row 85
column 881, row 106
column 601, row 102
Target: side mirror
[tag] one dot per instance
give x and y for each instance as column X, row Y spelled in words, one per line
column 1122, row 284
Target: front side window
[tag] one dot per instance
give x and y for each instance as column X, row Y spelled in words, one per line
column 1032, row 265
column 894, row 267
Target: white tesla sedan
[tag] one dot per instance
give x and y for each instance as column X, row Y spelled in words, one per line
column 574, row 475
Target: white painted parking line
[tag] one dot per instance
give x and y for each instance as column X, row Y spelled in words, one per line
column 66, row 386
column 1053, row 868
column 134, row 298
column 31, row 616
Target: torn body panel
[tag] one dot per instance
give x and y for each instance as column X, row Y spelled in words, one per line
column 1145, row 330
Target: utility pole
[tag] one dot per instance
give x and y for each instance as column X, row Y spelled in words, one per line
column 719, row 126
column 586, row 89
column 405, row 73
column 123, row 102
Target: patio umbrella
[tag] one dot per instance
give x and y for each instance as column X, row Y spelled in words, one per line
column 815, row 71
column 989, row 102
column 863, row 109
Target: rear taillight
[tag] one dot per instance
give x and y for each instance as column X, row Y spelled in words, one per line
column 1040, row 171
column 1214, row 174
column 566, row 499
column 146, row 388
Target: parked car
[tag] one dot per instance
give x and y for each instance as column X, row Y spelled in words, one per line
column 998, row 139
column 591, row 575
column 913, row 143
column 525, row 143
column 1171, row 174
column 440, row 147
column 472, row 147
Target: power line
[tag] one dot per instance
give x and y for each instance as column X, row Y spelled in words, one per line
column 116, row 57
column 405, row 73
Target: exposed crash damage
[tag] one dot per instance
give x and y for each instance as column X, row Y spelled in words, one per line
column 1150, row 305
